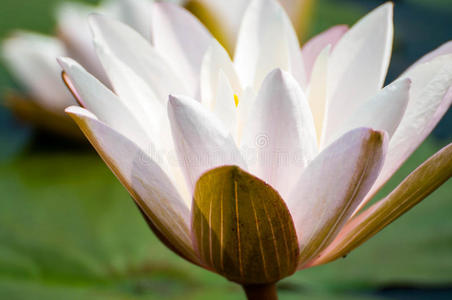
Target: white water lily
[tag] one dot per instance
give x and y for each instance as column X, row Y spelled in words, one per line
column 257, row 167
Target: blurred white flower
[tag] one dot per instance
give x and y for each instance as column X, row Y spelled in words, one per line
column 32, row 56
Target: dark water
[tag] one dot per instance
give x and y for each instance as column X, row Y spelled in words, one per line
column 408, row 292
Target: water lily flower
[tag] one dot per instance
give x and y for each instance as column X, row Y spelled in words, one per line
column 256, row 167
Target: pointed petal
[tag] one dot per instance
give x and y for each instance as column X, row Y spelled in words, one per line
column 31, row 58
column 416, row 187
column 266, row 41
column 146, row 182
column 332, row 186
column 317, row 92
column 314, row 46
column 359, row 64
column 281, row 132
column 216, row 60
column 104, row 104
column 202, row 142
column 382, row 112
column 430, row 98
column 182, row 40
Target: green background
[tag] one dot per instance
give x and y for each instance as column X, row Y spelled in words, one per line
column 68, row 230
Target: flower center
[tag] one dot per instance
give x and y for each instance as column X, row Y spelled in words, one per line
column 236, row 100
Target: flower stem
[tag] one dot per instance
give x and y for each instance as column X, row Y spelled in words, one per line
column 261, row 292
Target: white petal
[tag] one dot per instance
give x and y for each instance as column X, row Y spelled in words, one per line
column 104, row 104
column 382, row 112
column 135, row 93
column 266, row 41
column 359, row 64
column 333, row 185
column 216, row 60
column 281, row 132
column 182, row 39
column 32, row 59
column 430, row 98
column 317, row 92
column 146, row 182
column 202, row 142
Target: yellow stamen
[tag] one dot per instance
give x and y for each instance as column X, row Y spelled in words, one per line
column 236, row 100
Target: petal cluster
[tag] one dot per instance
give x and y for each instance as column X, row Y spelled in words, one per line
column 208, row 145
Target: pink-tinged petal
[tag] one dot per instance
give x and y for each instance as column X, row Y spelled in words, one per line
column 416, row 187
column 146, row 182
column 442, row 50
column 382, row 112
column 202, row 141
column 314, row 46
column 317, row 92
column 430, row 98
column 266, row 41
column 280, row 133
column 359, row 64
column 332, row 186
column 182, row 40
column 31, row 58
column 216, row 60
column 104, row 104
